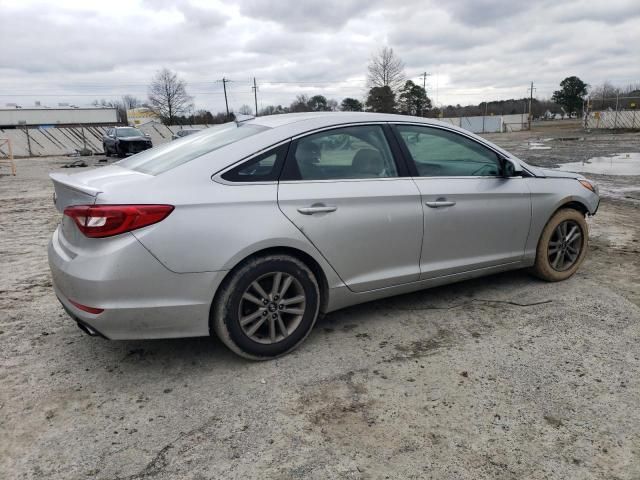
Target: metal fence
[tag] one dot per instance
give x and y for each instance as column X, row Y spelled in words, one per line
column 490, row 123
column 622, row 114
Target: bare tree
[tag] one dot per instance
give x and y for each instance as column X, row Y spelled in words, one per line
column 168, row 96
column 245, row 110
column 300, row 104
column 386, row 70
column 129, row 102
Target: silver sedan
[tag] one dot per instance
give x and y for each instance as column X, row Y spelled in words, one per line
column 250, row 230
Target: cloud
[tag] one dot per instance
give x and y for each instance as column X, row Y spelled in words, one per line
column 308, row 15
column 474, row 49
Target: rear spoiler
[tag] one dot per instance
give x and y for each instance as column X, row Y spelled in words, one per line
column 67, row 181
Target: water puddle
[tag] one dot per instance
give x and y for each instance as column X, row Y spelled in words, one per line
column 538, row 146
column 618, row 164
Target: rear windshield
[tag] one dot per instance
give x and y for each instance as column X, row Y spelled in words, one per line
column 170, row 155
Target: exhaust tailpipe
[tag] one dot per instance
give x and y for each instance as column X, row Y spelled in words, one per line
column 88, row 330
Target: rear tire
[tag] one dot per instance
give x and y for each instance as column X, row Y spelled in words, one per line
column 266, row 307
column 562, row 246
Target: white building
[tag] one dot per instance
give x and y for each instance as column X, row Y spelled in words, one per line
column 15, row 117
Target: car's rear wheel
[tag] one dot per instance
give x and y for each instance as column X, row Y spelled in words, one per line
column 562, row 246
column 266, row 307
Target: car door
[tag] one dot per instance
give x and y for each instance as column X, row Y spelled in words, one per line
column 347, row 193
column 474, row 217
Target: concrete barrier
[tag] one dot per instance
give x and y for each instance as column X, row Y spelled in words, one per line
column 53, row 141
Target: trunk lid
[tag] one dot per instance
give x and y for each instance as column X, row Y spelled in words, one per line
column 83, row 188
column 69, row 192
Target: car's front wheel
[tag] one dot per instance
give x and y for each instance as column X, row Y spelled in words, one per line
column 266, row 307
column 562, row 246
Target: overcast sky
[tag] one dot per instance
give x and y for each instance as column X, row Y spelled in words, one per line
column 78, row 51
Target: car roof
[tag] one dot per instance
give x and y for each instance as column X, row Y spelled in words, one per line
column 333, row 118
column 293, row 124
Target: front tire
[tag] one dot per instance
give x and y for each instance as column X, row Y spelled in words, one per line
column 562, row 246
column 266, row 307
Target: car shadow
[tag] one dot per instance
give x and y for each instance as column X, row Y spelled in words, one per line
column 209, row 352
column 497, row 286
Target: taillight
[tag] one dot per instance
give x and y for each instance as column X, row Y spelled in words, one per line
column 98, row 221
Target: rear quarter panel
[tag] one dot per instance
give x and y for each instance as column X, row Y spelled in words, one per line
column 215, row 226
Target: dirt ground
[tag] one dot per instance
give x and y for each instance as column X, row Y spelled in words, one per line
column 502, row 377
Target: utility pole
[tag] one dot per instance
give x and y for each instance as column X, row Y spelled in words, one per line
column 530, row 105
column 424, row 80
column 255, row 94
column 424, row 87
column 224, row 87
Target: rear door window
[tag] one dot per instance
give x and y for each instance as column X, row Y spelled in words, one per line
column 357, row 152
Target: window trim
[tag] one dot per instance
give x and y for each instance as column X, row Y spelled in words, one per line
column 394, row 149
column 411, row 163
column 280, row 161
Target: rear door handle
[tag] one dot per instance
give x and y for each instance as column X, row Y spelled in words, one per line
column 317, row 209
column 440, row 203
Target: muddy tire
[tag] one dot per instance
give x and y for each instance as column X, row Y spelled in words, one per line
column 562, row 246
column 266, row 307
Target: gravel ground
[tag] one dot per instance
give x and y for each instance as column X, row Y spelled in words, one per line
column 502, row 377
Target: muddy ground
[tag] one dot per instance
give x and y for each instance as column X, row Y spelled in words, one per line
column 502, row 377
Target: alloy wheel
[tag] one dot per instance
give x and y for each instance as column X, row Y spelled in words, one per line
column 565, row 245
column 272, row 307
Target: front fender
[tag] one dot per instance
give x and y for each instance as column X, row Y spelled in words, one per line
column 548, row 195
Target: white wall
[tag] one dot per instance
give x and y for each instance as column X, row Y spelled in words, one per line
column 480, row 124
column 57, row 116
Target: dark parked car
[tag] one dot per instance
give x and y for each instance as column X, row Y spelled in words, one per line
column 122, row 141
column 184, row 133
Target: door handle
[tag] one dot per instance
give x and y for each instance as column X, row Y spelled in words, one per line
column 440, row 203
column 317, row 209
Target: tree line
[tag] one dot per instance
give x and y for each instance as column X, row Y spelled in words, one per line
column 389, row 91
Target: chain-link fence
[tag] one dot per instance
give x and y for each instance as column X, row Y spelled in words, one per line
column 613, row 113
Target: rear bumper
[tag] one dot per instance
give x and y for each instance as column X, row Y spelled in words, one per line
column 141, row 298
column 134, row 146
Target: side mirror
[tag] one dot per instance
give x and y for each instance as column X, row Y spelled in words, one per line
column 510, row 168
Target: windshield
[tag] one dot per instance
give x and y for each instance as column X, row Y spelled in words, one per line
column 128, row 132
column 170, row 155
